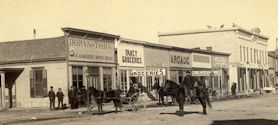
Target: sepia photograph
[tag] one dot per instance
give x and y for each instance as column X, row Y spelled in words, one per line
column 138, row 62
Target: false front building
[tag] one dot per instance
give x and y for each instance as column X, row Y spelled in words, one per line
column 79, row 58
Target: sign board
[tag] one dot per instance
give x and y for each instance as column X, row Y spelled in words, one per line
column 206, row 73
column 130, row 55
column 91, row 50
column 201, row 60
column 179, row 59
column 148, row 72
column 219, row 62
column 156, row 57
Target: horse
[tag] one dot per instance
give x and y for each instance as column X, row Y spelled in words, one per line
column 161, row 93
column 180, row 95
column 101, row 97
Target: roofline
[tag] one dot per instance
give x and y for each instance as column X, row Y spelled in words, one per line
column 209, row 31
column 69, row 29
column 32, row 39
column 210, row 52
column 33, row 60
column 144, row 43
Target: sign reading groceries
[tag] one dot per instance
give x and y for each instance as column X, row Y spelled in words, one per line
column 148, row 72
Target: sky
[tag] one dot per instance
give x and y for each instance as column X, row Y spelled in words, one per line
column 134, row 19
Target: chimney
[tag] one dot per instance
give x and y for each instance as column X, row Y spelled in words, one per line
column 209, row 48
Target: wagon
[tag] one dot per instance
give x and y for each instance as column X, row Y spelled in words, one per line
column 130, row 103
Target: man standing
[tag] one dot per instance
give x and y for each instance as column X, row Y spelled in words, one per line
column 83, row 96
column 60, row 96
column 51, row 95
column 187, row 83
column 233, row 89
column 72, row 97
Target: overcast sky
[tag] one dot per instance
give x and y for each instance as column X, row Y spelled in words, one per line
column 135, row 19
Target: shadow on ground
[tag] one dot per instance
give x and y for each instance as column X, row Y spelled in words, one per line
column 178, row 113
column 246, row 122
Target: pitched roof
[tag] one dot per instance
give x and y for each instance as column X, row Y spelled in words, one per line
column 32, row 50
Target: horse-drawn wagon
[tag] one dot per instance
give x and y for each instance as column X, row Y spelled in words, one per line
column 120, row 100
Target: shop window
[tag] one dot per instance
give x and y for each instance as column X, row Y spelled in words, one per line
column 149, row 83
column 38, row 83
column 181, row 75
column 240, row 50
column 243, row 54
column 94, row 77
column 107, row 79
column 77, row 76
column 247, row 55
column 173, row 75
column 123, row 82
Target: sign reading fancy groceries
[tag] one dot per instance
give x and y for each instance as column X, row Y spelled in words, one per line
column 130, row 55
column 91, row 50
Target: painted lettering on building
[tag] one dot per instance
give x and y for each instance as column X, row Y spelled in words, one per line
column 131, row 57
column 91, row 50
column 180, row 59
column 90, row 44
column 148, row 72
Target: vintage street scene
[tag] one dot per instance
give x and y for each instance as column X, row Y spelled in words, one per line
column 147, row 62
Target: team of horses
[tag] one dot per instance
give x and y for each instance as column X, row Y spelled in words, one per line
column 170, row 88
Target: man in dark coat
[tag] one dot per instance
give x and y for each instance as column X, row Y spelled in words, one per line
column 233, row 89
column 82, row 95
column 187, row 83
column 73, row 97
column 60, row 96
column 51, row 95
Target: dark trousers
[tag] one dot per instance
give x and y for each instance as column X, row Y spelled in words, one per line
column 52, row 104
column 73, row 104
column 60, row 102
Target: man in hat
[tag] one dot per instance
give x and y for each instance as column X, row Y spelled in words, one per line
column 60, row 96
column 73, row 97
column 51, row 95
column 188, row 83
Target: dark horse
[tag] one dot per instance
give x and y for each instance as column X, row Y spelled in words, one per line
column 101, row 97
column 180, row 95
column 163, row 92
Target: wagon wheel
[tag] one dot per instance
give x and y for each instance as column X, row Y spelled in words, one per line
column 133, row 100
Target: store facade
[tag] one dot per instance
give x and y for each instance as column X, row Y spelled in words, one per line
column 79, row 58
column 131, row 63
column 91, row 59
column 157, row 64
column 180, row 62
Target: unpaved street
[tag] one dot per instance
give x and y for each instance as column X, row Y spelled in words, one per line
column 258, row 110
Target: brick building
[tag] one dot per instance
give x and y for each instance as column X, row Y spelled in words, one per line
column 248, row 48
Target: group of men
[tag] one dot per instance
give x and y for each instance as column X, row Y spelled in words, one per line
column 77, row 97
column 52, row 96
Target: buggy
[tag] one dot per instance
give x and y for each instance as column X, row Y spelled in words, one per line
column 130, row 103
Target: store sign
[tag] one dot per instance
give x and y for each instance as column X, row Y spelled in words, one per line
column 148, row 72
column 91, row 50
column 219, row 62
column 178, row 59
column 206, row 73
column 130, row 55
column 201, row 60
